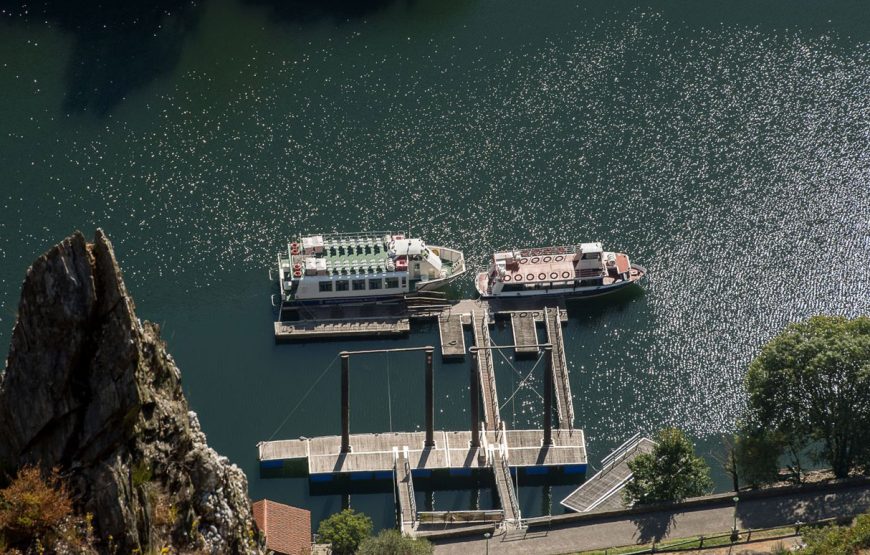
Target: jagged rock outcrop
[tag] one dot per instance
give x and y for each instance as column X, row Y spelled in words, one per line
column 91, row 389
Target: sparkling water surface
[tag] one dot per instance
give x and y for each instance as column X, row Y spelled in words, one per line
column 725, row 149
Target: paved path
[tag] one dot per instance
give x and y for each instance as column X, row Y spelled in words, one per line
column 643, row 528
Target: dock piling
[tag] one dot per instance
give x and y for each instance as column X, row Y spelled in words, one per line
column 345, row 402
column 430, row 400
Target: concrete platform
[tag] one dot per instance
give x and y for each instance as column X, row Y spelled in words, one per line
column 375, row 454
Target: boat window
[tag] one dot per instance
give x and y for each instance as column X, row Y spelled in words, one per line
column 392, row 283
column 377, row 249
column 341, row 250
column 375, row 283
column 359, row 285
column 359, row 250
column 403, row 282
column 592, row 255
column 325, row 286
column 368, row 249
column 341, row 285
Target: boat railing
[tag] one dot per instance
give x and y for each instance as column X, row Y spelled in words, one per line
column 351, row 235
column 545, row 251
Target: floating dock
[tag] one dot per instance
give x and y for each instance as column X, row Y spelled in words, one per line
column 374, row 456
column 451, row 332
column 485, row 447
column 602, row 492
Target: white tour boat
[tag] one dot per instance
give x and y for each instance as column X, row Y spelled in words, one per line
column 583, row 270
column 363, row 267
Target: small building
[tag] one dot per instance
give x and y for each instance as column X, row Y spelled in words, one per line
column 287, row 529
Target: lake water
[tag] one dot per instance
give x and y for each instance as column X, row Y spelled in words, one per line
column 724, row 147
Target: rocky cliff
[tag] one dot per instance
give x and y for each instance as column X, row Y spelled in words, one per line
column 91, row 389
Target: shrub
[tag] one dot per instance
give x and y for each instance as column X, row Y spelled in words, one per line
column 32, row 507
column 345, row 531
column 392, row 542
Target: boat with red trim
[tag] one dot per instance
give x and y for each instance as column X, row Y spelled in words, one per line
column 583, row 270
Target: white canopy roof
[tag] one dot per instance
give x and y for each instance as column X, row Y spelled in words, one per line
column 404, row 247
column 591, row 247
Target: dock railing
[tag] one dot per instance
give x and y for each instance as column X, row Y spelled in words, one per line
column 413, row 502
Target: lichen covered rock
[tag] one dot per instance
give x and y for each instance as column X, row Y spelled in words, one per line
column 91, row 390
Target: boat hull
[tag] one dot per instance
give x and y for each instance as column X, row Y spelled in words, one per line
column 569, row 292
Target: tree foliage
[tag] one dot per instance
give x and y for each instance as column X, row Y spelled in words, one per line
column 810, row 385
column 838, row 540
column 392, row 542
column 345, row 531
column 756, row 455
column 671, row 472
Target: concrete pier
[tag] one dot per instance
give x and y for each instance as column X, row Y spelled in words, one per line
column 374, row 455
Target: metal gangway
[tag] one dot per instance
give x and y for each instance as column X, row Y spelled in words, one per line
column 486, row 370
column 561, row 384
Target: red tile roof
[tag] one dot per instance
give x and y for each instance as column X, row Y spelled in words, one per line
column 287, row 529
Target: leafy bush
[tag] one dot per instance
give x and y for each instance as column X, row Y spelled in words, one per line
column 671, row 472
column 826, row 540
column 392, row 542
column 345, row 531
column 32, row 507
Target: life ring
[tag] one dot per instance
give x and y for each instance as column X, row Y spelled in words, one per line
column 297, row 273
column 554, row 275
column 518, row 277
column 530, row 277
column 560, row 258
column 566, row 275
column 547, row 259
column 507, row 277
column 294, row 245
column 523, row 315
column 297, row 266
column 535, row 260
column 542, row 275
column 524, row 260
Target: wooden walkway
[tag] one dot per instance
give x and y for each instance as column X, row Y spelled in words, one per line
column 452, row 335
column 407, row 505
column 486, row 371
column 525, row 333
column 602, row 492
column 303, row 330
column 561, row 384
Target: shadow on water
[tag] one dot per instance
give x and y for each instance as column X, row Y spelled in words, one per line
column 117, row 47
column 311, row 11
column 308, row 11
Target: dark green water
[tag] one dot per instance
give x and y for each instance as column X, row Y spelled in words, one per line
column 725, row 146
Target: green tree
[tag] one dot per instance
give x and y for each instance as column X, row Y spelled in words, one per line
column 756, row 453
column 392, row 542
column 810, row 385
column 671, row 472
column 345, row 531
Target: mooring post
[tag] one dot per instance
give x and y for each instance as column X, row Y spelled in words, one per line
column 430, row 400
column 345, row 403
column 548, row 396
column 475, row 402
